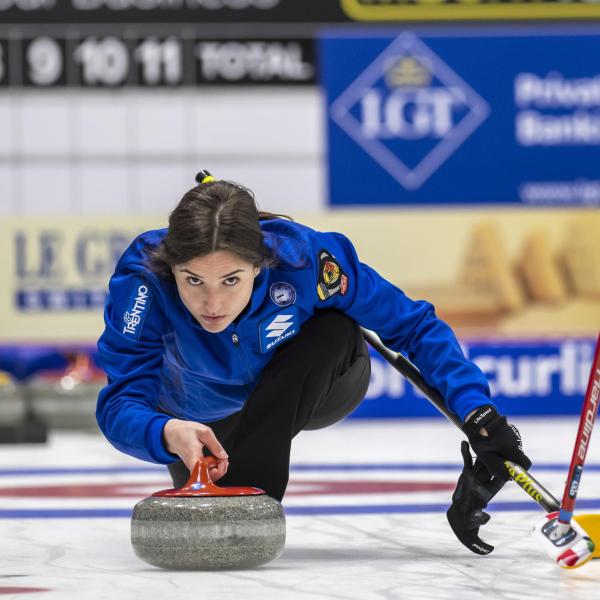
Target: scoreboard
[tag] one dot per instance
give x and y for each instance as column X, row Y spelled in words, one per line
column 159, row 43
column 170, row 43
column 137, row 58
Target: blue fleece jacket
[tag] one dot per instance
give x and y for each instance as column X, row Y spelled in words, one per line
column 159, row 360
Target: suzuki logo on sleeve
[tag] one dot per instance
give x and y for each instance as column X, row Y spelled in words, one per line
column 275, row 330
column 409, row 111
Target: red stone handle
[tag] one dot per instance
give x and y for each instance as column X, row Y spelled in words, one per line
column 200, row 483
column 201, row 473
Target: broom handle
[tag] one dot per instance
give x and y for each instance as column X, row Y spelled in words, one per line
column 518, row 474
column 582, row 441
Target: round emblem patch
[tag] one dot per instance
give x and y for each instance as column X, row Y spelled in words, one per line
column 282, row 293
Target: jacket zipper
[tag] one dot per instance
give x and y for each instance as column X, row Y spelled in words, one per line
column 235, row 338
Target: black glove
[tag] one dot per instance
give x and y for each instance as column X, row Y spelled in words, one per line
column 502, row 442
column 474, row 490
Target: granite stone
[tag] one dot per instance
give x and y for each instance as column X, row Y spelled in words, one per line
column 208, row 533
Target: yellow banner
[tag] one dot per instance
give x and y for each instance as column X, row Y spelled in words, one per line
column 503, row 271
column 465, row 10
column 57, row 272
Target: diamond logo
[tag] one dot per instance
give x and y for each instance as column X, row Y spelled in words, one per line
column 409, row 111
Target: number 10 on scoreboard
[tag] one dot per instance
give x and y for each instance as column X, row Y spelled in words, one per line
column 103, row 61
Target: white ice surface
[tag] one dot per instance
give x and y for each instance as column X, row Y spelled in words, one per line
column 340, row 556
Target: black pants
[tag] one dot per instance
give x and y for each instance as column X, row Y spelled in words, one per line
column 312, row 381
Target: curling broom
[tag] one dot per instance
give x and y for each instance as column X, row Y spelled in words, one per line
column 588, row 525
column 566, row 541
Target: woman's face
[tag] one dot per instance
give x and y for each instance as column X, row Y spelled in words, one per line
column 215, row 288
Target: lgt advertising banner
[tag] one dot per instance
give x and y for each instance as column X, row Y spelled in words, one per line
column 504, row 117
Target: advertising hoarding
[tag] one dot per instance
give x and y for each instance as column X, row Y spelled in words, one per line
column 463, row 117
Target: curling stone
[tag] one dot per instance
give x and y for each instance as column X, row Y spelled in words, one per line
column 204, row 526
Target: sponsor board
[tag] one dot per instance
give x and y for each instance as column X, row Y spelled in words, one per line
column 210, row 12
column 526, row 378
column 280, row 12
column 462, row 10
column 463, row 117
column 56, row 276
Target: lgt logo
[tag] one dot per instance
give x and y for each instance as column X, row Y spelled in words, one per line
column 409, row 111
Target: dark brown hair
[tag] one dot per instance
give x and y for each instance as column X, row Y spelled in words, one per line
column 219, row 215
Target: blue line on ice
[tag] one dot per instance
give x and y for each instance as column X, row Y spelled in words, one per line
column 363, row 509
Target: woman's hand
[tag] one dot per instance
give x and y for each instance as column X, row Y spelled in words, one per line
column 188, row 438
column 494, row 440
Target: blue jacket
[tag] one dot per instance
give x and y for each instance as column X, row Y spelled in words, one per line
column 158, row 358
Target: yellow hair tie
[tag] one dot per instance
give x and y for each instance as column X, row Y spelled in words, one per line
column 204, row 177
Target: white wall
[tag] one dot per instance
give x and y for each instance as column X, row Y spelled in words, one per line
column 86, row 152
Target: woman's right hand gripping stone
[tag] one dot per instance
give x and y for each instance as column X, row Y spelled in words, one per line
column 188, row 438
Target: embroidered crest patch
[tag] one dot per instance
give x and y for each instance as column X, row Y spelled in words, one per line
column 282, row 293
column 332, row 279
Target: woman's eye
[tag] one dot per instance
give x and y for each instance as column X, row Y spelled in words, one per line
column 231, row 280
column 193, row 280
